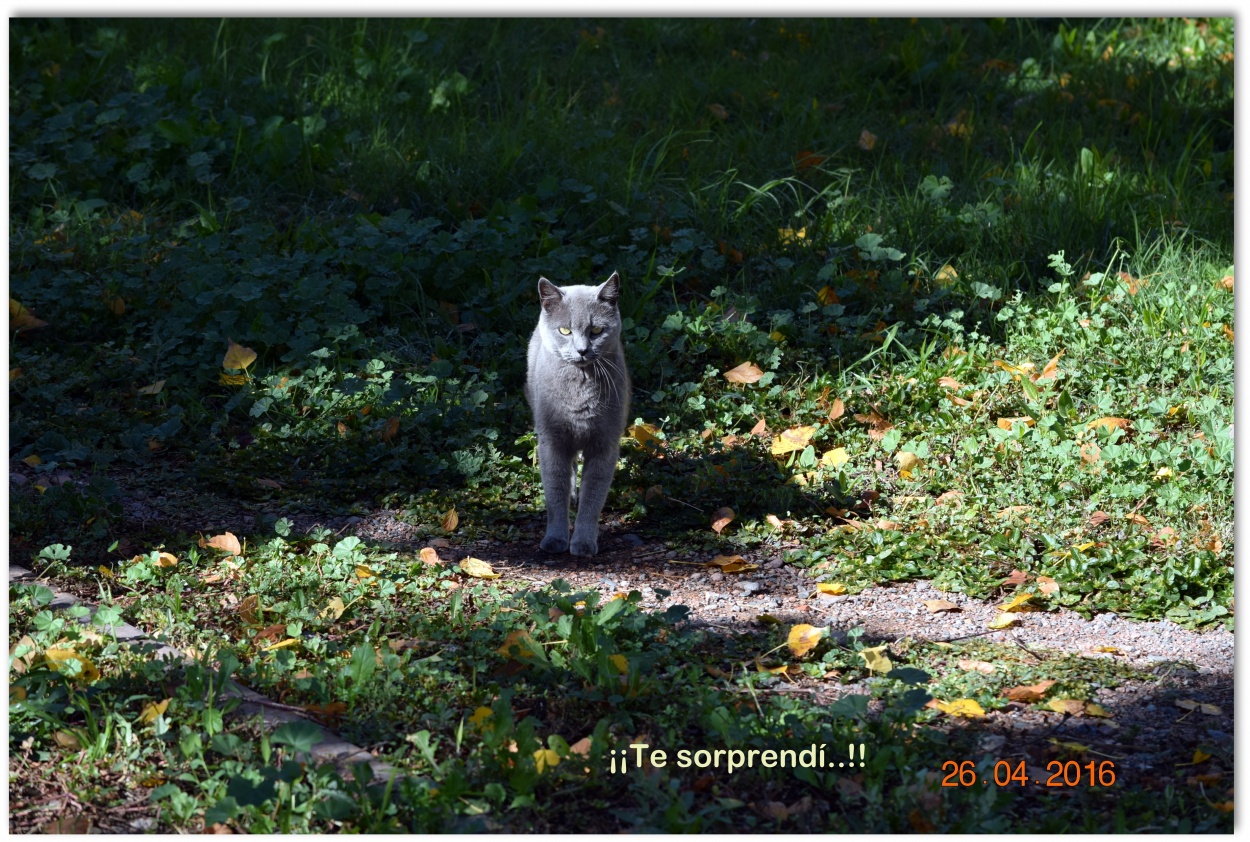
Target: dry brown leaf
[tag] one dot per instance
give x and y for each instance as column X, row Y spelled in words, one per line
column 1013, row 510
column 1140, row 520
column 430, row 555
column 520, row 645
column 1072, row 707
column 760, row 428
column 890, row 525
column 1090, row 453
column 154, row 389
column 906, row 460
column 1051, row 371
column 836, row 409
column 226, row 542
column 390, row 429
column 983, row 667
column 747, row 372
column 1098, row 518
column 867, row 140
column 1047, row 585
column 1227, row 282
column 1014, row 579
column 936, row 605
column 950, row 383
column 450, row 520
column 1007, row 423
column 1109, row 422
column 953, row 496
column 877, row 425
column 718, row 111
column 721, row 518
column 775, row 522
column 1029, row 693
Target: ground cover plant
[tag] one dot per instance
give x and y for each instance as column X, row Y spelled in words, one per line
column 903, row 299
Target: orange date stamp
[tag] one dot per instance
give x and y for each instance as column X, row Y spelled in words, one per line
column 1058, row 773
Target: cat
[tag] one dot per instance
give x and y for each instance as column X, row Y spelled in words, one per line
column 578, row 388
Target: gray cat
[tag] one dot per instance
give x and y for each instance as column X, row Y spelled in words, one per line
column 578, row 388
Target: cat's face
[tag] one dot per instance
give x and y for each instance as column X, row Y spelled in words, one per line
column 579, row 323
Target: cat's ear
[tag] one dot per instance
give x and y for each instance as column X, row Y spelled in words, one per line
column 610, row 290
column 549, row 294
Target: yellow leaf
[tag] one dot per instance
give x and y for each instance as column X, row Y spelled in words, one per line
column 1200, row 756
column 225, row 542
column 732, row 564
column 781, row 670
column 105, row 572
column 154, row 389
column 481, row 718
column 237, row 357
column 721, row 518
column 1006, row 423
column 451, row 519
column 775, row 522
column 66, row 739
column 1069, row 706
column 788, row 236
column 1110, row 422
column 835, row 458
column 1002, row 621
column 645, row 435
column 936, row 605
column 796, row 438
column 867, row 140
column 166, row 560
column 33, row 460
column 877, row 659
column 116, row 305
column 826, row 295
column 1017, row 603
column 58, row 658
column 832, row 588
column 282, row 644
column 1093, row 709
column 520, row 645
column 334, row 609
column 748, row 372
column 945, row 276
column 430, row 555
column 906, row 460
column 768, row 620
column 477, row 568
column 803, row 638
column 21, row 318
column 545, row 758
column 968, row 708
column 620, row 662
column 17, row 693
column 231, row 379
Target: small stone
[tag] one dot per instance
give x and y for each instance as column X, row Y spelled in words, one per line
column 715, row 577
column 632, row 539
column 775, row 564
column 750, row 587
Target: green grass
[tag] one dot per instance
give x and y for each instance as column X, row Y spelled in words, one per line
column 911, row 217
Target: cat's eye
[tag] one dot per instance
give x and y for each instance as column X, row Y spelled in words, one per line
column 596, row 330
column 565, row 331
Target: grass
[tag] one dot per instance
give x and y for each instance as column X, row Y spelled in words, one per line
column 915, row 231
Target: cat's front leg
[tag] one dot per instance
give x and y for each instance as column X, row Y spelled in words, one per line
column 597, row 471
column 556, row 466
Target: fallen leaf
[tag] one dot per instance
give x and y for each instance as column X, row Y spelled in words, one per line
column 718, row 111
column 1140, row 520
column 154, row 389
column 760, row 428
column 732, row 564
column 877, row 425
column 906, row 460
column 867, row 140
column 334, row 609
column 1227, row 282
column 238, row 357
column 1110, row 422
column 1095, row 709
column 21, row 318
column 57, row 659
column 936, row 605
column 1007, row 423
column 836, row 409
column 269, row 483
column 952, row 496
column 968, row 708
column 1098, row 518
column 1013, row 510
column 645, row 435
column 249, row 609
column 1019, row 603
column 364, row 571
column 153, row 710
column 477, row 568
column 1090, row 453
column 831, row 588
column 1190, row 704
column 1200, row 756
column 1069, row 706
column 1029, row 692
column 1016, row 578
column 390, row 429
column 983, row 667
column 721, row 518
column 239, row 379
column 226, row 542
column 877, row 659
column 796, row 438
column 283, row 644
column 429, row 555
column 747, row 372
column 1002, row 621
column 945, row 276
column 1051, row 371
column 835, row 458
column 788, row 236
column 803, row 638
column 520, row 645
column 950, row 383
column 450, row 520
column 1047, row 585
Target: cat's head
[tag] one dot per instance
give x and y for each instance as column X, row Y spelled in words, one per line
column 579, row 323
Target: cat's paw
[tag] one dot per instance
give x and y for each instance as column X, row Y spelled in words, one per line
column 554, row 544
column 584, row 547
